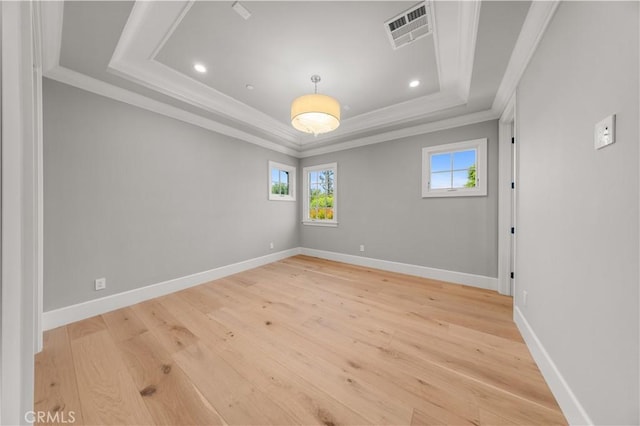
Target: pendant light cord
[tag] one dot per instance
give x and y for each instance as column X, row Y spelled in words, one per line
column 315, row 79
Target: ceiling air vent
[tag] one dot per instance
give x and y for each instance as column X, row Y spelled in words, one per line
column 410, row 25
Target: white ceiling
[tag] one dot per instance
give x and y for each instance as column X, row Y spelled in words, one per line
column 143, row 53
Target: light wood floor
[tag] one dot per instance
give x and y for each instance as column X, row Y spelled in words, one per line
column 300, row 341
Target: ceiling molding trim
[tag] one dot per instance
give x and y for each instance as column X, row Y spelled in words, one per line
column 52, row 15
column 147, row 26
column 169, row 33
column 534, row 27
column 445, row 39
column 509, row 113
column 145, row 44
column 393, row 114
column 455, row 36
column 449, row 123
column 469, row 18
column 162, row 80
column 151, row 23
column 81, row 81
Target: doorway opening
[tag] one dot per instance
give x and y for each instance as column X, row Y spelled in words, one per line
column 507, row 187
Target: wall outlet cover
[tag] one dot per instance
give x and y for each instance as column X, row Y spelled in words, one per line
column 100, row 283
column 605, row 132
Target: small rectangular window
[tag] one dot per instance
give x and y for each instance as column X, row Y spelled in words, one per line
column 321, row 195
column 282, row 182
column 455, row 169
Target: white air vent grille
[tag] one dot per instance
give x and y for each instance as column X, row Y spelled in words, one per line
column 410, row 25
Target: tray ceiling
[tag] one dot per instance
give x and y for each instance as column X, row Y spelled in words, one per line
column 144, row 52
column 277, row 55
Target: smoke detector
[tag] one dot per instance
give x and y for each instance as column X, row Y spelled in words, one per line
column 410, row 25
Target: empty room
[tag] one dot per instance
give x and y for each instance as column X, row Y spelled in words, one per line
column 320, row 212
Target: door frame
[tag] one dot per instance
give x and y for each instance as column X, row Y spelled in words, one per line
column 38, row 170
column 21, row 215
column 506, row 198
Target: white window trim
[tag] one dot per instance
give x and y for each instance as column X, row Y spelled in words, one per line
column 292, row 182
column 480, row 145
column 305, row 205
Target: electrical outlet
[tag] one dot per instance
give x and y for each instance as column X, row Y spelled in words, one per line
column 271, row 245
column 524, row 297
column 361, row 247
column 100, row 283
column 605, row 132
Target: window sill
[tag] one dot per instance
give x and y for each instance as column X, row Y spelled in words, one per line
column 282, row 199
column 454, row 193
column 320, row 223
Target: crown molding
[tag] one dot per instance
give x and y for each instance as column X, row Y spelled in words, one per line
column 469, row 18
column 90, row 84
column 84, row 82
column 455, row 35
column 172, row 29
column 149, row 25
column 534, row 27
column 464, row 22
column 509, row 112
column 391, row 115
column 52, row 14
column 449, row 123
column 445, row 36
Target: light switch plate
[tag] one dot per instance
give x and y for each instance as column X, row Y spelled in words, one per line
column 605, row 132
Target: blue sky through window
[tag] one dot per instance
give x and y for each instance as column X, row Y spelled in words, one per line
column 464, row 159
column 451, row 169
column 441, row 162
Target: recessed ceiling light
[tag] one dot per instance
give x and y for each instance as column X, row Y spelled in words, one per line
column 249, row 87
column 200, row 68
column 414, row 83
column 346, row 107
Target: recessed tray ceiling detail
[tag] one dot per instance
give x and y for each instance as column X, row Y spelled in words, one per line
column 256, row 66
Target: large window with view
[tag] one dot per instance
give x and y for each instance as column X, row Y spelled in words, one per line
column 455, row 169
column 321, row 195
column 282, row 182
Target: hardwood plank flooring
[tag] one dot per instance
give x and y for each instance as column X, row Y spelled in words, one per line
column 57, row 389
column 300, row 341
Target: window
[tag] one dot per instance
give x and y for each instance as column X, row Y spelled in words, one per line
column 282, row 182
column 321, row 195
column 455, row 169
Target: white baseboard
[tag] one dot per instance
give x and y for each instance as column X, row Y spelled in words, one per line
column 80, row 311
column 472, row 280
column 571, row 407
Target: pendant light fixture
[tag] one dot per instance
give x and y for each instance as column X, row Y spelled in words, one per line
column 315, row 113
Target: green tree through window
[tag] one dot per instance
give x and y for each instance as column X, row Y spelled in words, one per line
column 280, row 188
column 471, row 179
column 321, row 194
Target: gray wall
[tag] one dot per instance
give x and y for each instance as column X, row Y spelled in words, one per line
column 140, row 198
column 577, row 241
column 380, row 205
